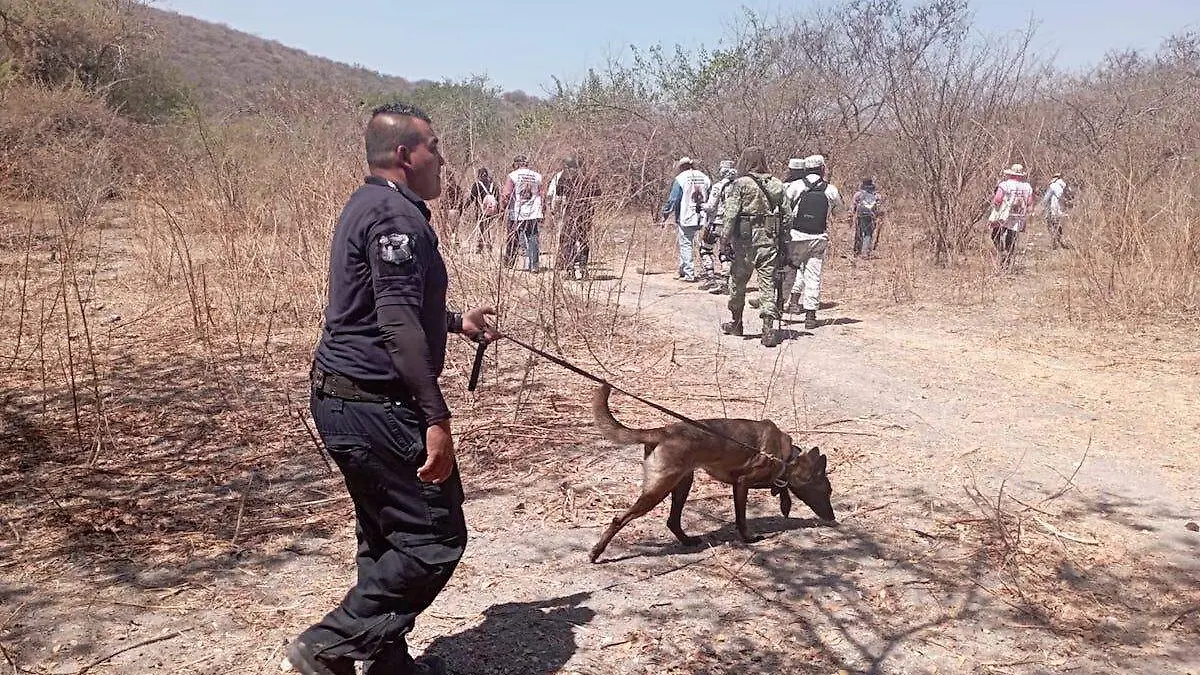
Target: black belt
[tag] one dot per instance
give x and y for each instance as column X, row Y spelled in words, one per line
column 339, row 386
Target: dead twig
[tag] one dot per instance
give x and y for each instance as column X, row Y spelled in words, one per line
column 313, row 436
column 859, row 512
column 1070, row 479
column 122, row 650
column 1063, row 535
column 665, row 572
column 237, row 527
column 1179, row 618
column 839, row 433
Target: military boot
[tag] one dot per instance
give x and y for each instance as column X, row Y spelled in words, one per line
column 810, row 319
column 733, row 327
column 770, row 336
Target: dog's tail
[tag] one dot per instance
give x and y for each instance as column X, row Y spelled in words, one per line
column 613, row 430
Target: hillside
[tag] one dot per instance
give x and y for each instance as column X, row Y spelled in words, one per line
column 225, row 65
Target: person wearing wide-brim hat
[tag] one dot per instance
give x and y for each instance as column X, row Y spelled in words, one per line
column 1011, row 204
column 685, row 205
column 866, row 216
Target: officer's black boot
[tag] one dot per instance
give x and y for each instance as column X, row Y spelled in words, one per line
column 770, row 336
column 306, row 661
column 810, row 319
column 733, row 327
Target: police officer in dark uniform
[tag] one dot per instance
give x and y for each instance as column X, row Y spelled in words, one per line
column 378, row 406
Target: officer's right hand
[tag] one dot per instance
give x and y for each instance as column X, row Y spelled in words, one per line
column 439, row 451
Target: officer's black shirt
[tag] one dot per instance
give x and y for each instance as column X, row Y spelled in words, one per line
column 386, row 321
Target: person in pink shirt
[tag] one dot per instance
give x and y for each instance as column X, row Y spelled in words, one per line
column 1011, row 204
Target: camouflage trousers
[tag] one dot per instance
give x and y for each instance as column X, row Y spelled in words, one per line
column 755, row 249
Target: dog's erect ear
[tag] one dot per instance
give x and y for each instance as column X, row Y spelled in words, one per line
column 821, row 465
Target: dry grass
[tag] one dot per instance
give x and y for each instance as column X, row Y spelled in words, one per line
column 157, row 334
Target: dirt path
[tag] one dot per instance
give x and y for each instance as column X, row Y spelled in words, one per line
column 919, row 577
column 975, row 535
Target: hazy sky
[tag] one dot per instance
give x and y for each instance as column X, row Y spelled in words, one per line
column 520, row 43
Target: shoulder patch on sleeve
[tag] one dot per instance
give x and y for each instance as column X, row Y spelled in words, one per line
column 395, row 248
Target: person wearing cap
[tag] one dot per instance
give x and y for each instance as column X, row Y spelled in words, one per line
column 811, row 201
column 573, row 194
column 1011, row 204
column 689, row 192
column 866, row 215
column 753, row 216
column 710, row 239
column 1053, row 210
column 522, row 202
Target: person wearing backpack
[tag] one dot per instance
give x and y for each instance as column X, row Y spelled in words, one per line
column 753, row 216
column 689, row 192
column 710, row 240
column 485, row 198
column 1011, row 204
column 1053, row 210
column 866, row 215
column 811, row 201
column 522, row 201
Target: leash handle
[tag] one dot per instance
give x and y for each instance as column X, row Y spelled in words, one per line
column 477, row 366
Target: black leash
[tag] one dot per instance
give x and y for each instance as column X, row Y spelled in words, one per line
column 785, row 463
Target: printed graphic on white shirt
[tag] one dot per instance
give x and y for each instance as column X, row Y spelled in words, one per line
column 695, row 187
column 527, row 195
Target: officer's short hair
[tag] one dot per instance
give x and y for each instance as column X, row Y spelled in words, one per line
column 382, row 139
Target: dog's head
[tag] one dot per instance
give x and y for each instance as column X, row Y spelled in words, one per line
column 806, row 478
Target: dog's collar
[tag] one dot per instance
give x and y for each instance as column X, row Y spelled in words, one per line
column 780, row 479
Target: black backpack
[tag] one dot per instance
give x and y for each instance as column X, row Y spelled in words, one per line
column 812, row 209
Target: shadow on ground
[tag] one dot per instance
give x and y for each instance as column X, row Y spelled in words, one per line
column 530, row 638
column 879, row 593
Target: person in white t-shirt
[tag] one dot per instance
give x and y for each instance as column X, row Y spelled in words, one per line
column 811, row 203
column 522, row 203
column 689, row 193
column 1054, row 210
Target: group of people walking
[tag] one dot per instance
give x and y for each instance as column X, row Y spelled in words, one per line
column 374, row 389
column 1013, row 202
column 752, row 223
column 525, row 202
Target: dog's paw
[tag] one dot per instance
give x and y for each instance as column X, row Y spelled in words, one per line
column 691, row 541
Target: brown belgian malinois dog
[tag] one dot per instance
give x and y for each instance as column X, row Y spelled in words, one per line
column 742, row 453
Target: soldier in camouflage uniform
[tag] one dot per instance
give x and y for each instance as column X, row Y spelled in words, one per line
column 752, row 222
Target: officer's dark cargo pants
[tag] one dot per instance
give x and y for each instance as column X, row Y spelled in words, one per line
column 411, row 534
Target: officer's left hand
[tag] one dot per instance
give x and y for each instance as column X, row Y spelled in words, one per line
column 475, row 324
